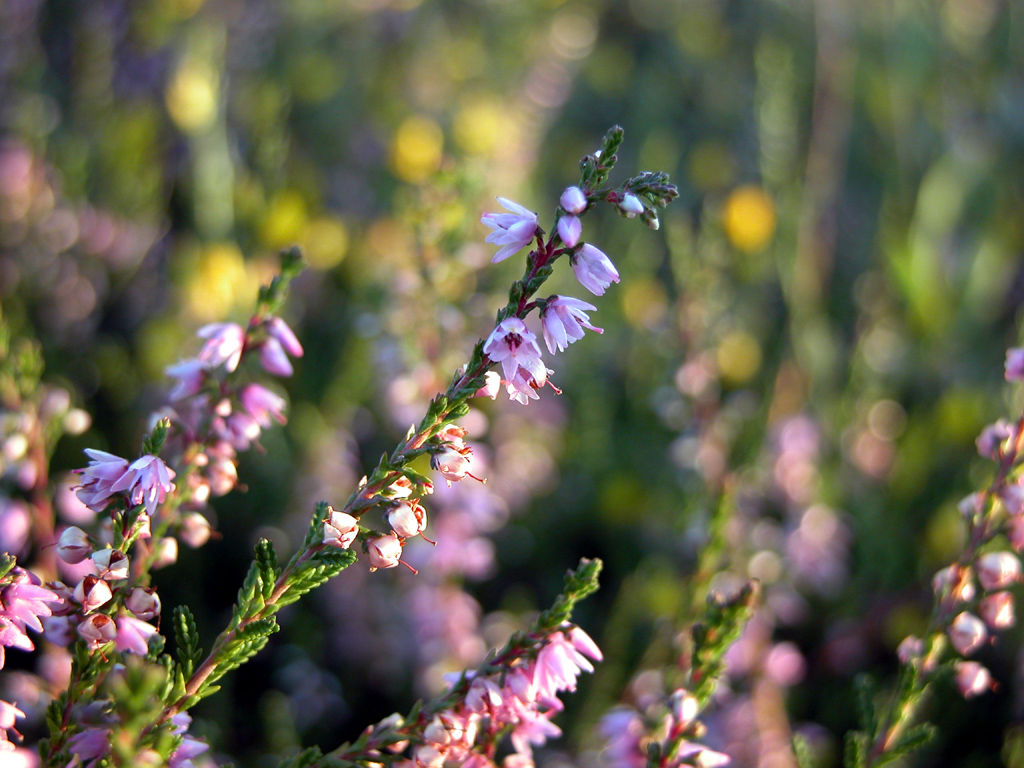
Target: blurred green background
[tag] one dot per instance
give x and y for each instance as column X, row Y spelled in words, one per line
column 816, row 331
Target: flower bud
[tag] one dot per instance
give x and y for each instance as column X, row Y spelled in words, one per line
column 953, row 582
column 998, row 570
column 194, row 530
column 407, row 519
column 569, row 230
column 384, row 552
column 1015, row 364
column 909, row 649
column 683, row 706
column 972, row 679
column 166, row 552
column 491, row 387
column 92, row 592
column 60, row 630
column 340, row 530
column 1012, row 496
column 97, row 630
column 144, row 603
column 967, row 633
column 573, row 200
column 631, row 205
column 73, row 546
column 111, row 563
column 451, row 463
column 997, row 610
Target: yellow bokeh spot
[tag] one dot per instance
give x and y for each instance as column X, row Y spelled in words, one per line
column 749, row 219
column 285, row 219
column 644, row 303
column 477, row 125
column 217, row 283
column 192, row 97
column 416, row 150
column 325, row 242
column 739, row 357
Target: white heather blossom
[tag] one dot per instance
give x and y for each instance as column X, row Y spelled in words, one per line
column 73, row 545
column 340, row 530
column 513, row 345
column 594, row 269
column 998, row 570
column 569, row 229
column 407, row 519
column 492, row 383
column 631, row 205
column 573, row 200
column 384, row 551
column 512, row 231
column 967, row 633
column 563, row 321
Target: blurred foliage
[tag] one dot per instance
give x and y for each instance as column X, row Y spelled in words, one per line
column 846, row 250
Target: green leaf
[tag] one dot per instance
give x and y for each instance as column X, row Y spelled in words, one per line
column 186, row 635
column 856, row 750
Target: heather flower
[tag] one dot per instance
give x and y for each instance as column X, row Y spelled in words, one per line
column 452, row 463
column 524, row 386
column 512, row 231
column 513, row 345
column 189, row 747
column 569, row 230
column 274, row 359
column 993, row 437
column 15, row 525
column 280, row 332
column 563, row 321
column 573, row 200
column 631, row 205
column 9, row 715
column 384, row 552
column 148, row 480
column 97, row 630
column 143, row 602
column 1015, row 364
column 22, row 603
column 92, row 592
column 492, row 383
column 407, row 519
column 998, row 570
column 593, row 269
column 194, row 529
column 262, row 404
column 98, row 478
column 972, row 679
column 165, row 552
column 133, row 635
column 967, row 633
column 996, row 610
column 110, row 564
column 191, row 376
column 224, row 344
column 953, row 582
column 909, row 649
column 90, row 743
column 73, row 545
column 562, row 659
column 340, row 530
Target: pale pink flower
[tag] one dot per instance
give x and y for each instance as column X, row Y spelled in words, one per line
column 997, row 610
column 512, row 231
column 524, row 386
column 262, row 404
column 573, row 200
column 407, row 519
column 561, row 660
column 24, row 600
column 492, row 383
column 143, row 602
column 110, row 564
column 103, row 471
column 148, row 480
column 133, row 635
column 340, row 530
column 73, row 545
column 165, row 552
column 513, row 345
column 998, row 570
column 453, row 464
column 191, row 375
column 972, row 679
column 384, row 551
column 9, row 715
column 274, row 359
column 224, row 344
column 279, row 330
column 194, row 529
column 97, row 630
column 92, row 592
column 569, row 230
column 910, row 649
column 953, row 582
column 623, row 728
column 1015, row 364
column 593, row 269
column 631, row 205
column 563, row 321
column 533, row 728
column 992, row 438
column 189, row 747
column 967, row 633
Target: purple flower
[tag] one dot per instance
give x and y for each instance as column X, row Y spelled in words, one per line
column 224, row 344
column 573, row 200
column 147, row 480
column 191, row 375
column 285, row 336
column 22, row 602
column 512, row 231
column 1015, row 364
column 274, row 359
column 262, row 404
column 563, row 321
column 189, row 747
column 594, row 269
column 570, row 229
column 98, row 478
column 133, row 635
column 513, row 345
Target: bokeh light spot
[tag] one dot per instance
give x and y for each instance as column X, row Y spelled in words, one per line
column 749, row 219
column 416, row 150
column 738, row 357
column 192, row 97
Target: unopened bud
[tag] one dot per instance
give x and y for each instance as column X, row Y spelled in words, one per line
column 631, row 205
column 194, row 530
column 92, row 592
column 73, row 546
column 998, row 570
column 967, row 633
column 972, row 679
column 340, row 530
column 573, row 200
column 954, row 583
column 111, row 564
column 98, row 630
column 144, row 603
column 997, row 610
column 407, row 519
column 384, row 552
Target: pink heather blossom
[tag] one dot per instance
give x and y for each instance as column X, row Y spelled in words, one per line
column 967, row 633
column 512, row 231
column 513, row 345
column 561, row 660
column 191, row 375
column 166, row 552
column 569, row 230
column 103, row 471
column 1015, row 364
column 593, row 269
column 533, row 728
column 189, row 747
column 238, row 429
column 384, row 551
column 110, row 564
column 998, row 570
column 407, row 519
column 996, row 610
column 972, row 679
column 279, row 330
column 524, row 387
column 453, row 464
column 563, row 321
column 92, row 592
column 148, row 480
column 573, row 200
column 73, row 545
column 1012, row 496
column 953, row 582
column 340, row 530
column 133, row 635
column 492, row 383
column 9, row 715
column 992, row 438
column 194, row 529
column 274, row 359
column 97, row 630
column 623, row 729
column 15, row 525
column 224, row 344
column 143, row 602
column 90, row 743
column 910, row 649
column 631, row 205
column 60, row 630
column 454, row 435
column 22, row 603
column 262, row 404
